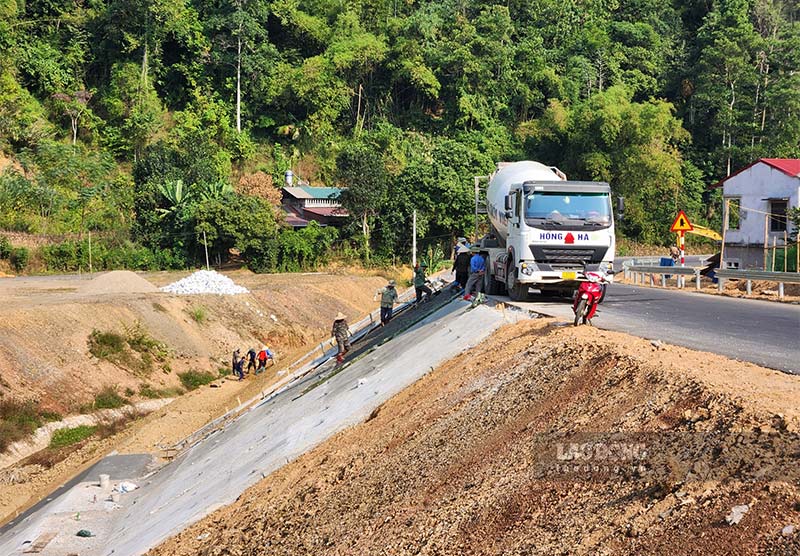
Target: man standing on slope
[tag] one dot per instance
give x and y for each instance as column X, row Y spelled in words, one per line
column 477, row 268
column 419, row 282
column 461, row 264
column 341, row 332
column 388, row 299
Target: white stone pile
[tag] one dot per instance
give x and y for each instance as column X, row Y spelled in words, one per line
column 205, row 281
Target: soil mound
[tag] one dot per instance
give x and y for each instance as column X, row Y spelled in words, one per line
column 117, row 281
column 541, row 441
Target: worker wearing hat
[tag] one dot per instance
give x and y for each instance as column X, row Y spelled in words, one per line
column 388, row 299
column 341, row 333
column 420, row 280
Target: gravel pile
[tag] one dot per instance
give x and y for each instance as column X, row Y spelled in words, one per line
column 205, row 281
column 117, row 281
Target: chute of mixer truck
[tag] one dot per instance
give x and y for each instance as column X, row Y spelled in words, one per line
column 545, row 231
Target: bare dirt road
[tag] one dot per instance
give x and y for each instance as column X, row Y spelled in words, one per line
column 542, row 440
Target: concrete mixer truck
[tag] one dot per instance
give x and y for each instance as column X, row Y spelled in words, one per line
column 546, row 232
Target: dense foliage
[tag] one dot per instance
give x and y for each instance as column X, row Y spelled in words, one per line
column 143, row 121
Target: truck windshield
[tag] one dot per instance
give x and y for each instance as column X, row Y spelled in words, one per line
column 555, row 209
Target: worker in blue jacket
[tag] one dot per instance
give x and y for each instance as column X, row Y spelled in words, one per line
column 477, row 269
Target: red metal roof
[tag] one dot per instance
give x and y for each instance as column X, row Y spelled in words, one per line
column 326, row 211
column 789, row 166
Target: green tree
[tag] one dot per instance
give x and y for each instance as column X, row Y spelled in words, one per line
column 362, row 171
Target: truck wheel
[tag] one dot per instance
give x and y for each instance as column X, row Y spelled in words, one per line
column 516, row 290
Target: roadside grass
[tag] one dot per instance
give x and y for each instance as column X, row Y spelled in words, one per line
column 18, row 419
column 193, row 380
column 106, row 345
column 108, row 398
column 147, row 391
column 198, row 314
column 70, row 436
column 136, row 350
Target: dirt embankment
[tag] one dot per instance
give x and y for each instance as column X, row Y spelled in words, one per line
column 542, row 440
column 45, row 329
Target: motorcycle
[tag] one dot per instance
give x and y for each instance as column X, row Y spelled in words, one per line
column 589, row 295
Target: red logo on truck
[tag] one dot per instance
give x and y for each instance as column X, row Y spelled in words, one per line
column 569, row 238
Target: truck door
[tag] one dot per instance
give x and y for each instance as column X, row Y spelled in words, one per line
column 516, row 210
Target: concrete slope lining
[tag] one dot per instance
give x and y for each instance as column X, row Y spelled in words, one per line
column 217, row 470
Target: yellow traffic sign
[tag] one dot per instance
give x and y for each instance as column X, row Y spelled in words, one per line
column 681, row 223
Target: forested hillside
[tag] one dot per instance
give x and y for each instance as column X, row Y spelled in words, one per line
column 148, row 122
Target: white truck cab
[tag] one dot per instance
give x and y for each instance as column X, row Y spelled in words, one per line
column 546, row 231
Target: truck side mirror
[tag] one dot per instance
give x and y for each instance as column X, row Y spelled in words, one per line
column 508, row 202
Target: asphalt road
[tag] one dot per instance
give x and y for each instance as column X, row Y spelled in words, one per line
column 762, row 332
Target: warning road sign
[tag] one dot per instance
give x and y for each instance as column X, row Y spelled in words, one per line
column 681, row 223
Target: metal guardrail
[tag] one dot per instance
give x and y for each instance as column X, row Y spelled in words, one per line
column 750, row 275
column 640, row 272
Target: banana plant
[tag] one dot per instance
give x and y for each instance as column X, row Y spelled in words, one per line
column 177, row 195
column 216, row 190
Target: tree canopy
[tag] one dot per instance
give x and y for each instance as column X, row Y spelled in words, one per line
column 106, row 105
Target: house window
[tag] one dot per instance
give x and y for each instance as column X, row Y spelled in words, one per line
column 734, row 213
column 777, row 219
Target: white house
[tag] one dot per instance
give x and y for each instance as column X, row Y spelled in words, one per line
column 758, row 196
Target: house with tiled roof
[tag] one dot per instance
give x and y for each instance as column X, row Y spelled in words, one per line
column 758, row 197
column 305, row 203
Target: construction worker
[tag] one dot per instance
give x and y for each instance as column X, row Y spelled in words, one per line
column 234, row 360
column 238, row 367
column 419, row 282
column 251, row 360
column 341, row 333
column 461, row 265
column 264, row 355
column 477, row 269
column 388, row 299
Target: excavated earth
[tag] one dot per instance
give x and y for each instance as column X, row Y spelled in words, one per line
column 542, row 440
column 46, row 322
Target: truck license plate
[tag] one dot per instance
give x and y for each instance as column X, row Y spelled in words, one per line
column 568, row 275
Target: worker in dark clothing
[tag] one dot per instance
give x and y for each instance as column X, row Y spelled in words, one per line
column 251, row 360
column 234, row 360
column 420, row 280
column 477, row 269
column 461, row 265
column 341, row 333
column 238, row 368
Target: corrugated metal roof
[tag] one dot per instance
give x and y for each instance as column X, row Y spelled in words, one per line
column 326, row 211
column 298, row 192
column 789, row 166
column 322, row 192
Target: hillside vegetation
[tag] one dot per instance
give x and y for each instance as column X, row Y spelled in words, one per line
column 151, row 122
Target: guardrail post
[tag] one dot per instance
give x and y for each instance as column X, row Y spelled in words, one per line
column 749, row 287
column 697, row 280
column 780, row 290
column 720, row 284
column 663, row 280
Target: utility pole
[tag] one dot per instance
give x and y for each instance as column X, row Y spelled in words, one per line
column 90, row 251
column 414, row 240
column 205, row 245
